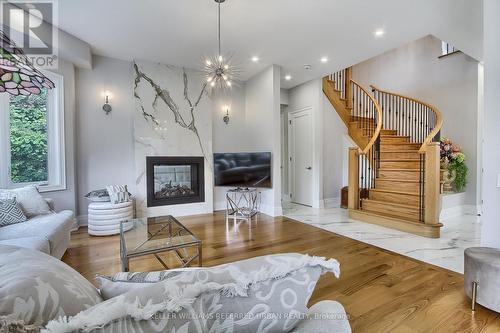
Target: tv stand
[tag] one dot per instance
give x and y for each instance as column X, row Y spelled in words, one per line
column 242, row 203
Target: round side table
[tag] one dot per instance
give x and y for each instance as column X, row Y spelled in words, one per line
column 105, row 217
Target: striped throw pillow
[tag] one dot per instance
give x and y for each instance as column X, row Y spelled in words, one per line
column 118, row 193
column 10, row 212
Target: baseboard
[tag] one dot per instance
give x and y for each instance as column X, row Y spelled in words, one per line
column 82, row 220
column 318, row 204
column 221, row 205
column 452, row 212
column 265, row 209
column 331, row 202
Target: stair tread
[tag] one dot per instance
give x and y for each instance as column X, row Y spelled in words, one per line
column 394, row 136
column 394, row 192
column 405, row 220
column 402, row 143
column 392, row 204
column 393, row 169
column 399, row 159
column 402, row 151
column 398, row 180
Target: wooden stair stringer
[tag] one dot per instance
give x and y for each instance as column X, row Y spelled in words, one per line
column 338, row 103
column 344, row 112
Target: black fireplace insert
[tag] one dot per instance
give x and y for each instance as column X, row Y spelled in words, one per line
column 174, row 180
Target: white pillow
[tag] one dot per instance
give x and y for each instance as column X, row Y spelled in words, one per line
column 263, row 294
column 118, row 193
column 36, row 287
column 30, row 200
column 121, row 283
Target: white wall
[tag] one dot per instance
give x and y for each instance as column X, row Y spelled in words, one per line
column 254, row 126
column 104, row 143
column 284, row 96
column 336, row 143
column 228, row 138
column 262, row 105
column 449, row 83
column 491, row 156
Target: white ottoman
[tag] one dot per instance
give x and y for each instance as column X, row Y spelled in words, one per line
column 104, row 217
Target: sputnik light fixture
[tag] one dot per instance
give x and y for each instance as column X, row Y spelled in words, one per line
column 219, row 71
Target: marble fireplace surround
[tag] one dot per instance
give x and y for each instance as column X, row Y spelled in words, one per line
column 173, row 117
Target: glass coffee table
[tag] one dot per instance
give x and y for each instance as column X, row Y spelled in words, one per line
column 154, row 235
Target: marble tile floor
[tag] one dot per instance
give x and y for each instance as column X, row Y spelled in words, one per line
column 457, row 234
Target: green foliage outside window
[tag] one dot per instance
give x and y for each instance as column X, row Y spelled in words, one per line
column 28, row 138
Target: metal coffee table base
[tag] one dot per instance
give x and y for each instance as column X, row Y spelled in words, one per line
column 184, row 259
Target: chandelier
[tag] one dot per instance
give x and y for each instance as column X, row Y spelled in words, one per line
column 219, row 71
column 17, row 75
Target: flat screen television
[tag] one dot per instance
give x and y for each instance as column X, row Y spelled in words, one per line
column 243, row 169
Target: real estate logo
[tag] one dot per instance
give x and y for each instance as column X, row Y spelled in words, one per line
column 31, row 26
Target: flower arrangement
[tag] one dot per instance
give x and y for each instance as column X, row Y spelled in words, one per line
column 453, row 160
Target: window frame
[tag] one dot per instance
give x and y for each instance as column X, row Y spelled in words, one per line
column 56, row 147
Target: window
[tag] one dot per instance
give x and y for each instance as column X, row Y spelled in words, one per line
column 32, row 139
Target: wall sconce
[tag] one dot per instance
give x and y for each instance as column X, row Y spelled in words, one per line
column 107, row 107
column 225, row 119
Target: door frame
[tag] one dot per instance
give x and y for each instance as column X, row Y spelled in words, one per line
column 291, row 134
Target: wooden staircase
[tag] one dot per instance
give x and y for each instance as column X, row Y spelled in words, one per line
column 394, row 170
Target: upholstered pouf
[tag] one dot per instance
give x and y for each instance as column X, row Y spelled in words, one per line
column 105, row 217
column 482, row 272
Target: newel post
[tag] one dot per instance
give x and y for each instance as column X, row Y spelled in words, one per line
column 432, row 199
column 353, row 185
column 348, row 87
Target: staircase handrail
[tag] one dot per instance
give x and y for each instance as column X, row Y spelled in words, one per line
column 376, row 134
column 439, row 117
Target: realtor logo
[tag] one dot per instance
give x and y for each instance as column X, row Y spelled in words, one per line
column 31, row 26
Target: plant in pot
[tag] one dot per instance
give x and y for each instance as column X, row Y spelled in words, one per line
column 454, row 171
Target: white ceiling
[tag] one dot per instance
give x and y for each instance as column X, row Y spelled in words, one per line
column 289, row 33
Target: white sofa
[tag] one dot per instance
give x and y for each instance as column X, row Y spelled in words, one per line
column 261, row 294
column 49, row 233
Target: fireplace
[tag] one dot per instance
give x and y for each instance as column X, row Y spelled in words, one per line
column 174, row 180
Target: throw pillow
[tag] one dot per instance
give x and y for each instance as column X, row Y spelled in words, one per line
column 9, row 325
column 120, row 283
column 10, row 213
column 118, row 193
column 29, row 199
column 36, row 287
column 264, row 294
column 98, row 196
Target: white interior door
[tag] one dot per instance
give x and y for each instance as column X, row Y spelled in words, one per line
column 301, row 157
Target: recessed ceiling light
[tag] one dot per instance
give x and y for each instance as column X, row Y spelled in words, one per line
column 255, row 59
column 288, row 77
column 379, row 32
column 324, row 60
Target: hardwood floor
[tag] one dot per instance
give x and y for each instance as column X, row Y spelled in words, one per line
column 382, row 291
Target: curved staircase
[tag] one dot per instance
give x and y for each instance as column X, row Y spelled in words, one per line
column 394, row 170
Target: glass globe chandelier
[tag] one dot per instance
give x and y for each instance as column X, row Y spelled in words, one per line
column 219, row 71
